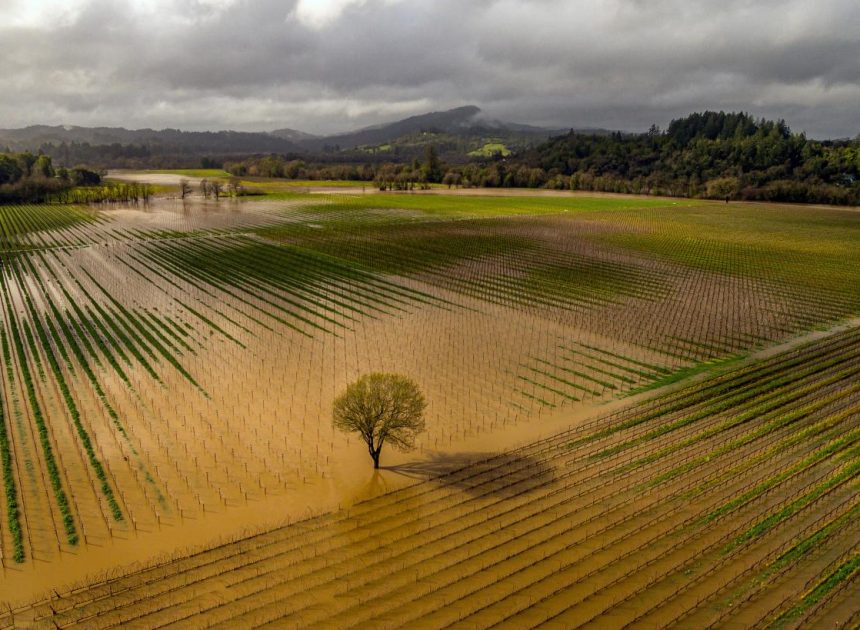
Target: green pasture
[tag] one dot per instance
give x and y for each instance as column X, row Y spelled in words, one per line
column 457, row 206
column 490, row 149
column 816, row 248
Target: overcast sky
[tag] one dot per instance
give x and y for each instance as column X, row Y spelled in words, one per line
column 332, row 65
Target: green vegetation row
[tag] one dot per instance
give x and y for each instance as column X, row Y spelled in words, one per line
column 726, row 392
column 53, row 469
column 846, row 572
column 60, row 379
column 299, row 288
column 13, row 513
column 40, row 226
column 547, row 534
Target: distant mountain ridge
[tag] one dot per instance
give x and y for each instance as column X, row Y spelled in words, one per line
column 293, row 135
column 457, row 132
column 33, row 137
column 467, row 120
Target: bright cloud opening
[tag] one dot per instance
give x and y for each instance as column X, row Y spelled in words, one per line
column 320, row 13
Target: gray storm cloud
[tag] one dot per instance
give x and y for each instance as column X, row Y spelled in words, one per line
column 331, row 65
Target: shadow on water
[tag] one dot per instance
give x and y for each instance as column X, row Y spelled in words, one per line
column 506, row 474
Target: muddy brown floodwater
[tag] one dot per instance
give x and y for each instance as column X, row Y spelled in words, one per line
column 171, row 321
column 350, row 480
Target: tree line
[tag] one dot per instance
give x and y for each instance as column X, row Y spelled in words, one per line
column 30, row 178
column 386, row 175
column 713, row 155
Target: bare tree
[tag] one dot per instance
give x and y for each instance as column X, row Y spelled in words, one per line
column 204, row 187
column 184, row 188
column 217, row 187
column 451, row 179
column 381, row 408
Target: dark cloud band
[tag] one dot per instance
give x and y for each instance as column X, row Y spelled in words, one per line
column 210, row 64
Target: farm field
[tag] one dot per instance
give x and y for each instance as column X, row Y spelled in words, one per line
column 168, row 372
column 733, row 499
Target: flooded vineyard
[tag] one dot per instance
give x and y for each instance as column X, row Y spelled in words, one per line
column 168, row 372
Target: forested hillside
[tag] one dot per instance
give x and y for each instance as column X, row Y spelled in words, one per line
column 711, row 155
column 706, row 154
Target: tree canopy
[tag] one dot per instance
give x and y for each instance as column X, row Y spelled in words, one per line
column 382, row 408
column 744, row 157
column 25, row 177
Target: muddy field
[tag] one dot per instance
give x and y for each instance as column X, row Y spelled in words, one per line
column 168, row 370
column 734, row 500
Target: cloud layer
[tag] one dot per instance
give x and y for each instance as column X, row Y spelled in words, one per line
column 332, row 65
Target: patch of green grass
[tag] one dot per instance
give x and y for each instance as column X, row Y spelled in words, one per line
column 812, row 248
column 455, row 206
column 272, row 186
column 848, row 570
column 490, row 149
column 677, row 376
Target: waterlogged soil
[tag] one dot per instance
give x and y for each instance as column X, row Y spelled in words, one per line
column 348, row 480
column 556, row 531
column 249, row 443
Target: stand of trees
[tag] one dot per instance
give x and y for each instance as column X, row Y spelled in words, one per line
column 114, row 192
column 29, row 178
column 388, row 175
column 712, row 155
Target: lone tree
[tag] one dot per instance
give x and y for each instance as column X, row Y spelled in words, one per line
column 381, row 408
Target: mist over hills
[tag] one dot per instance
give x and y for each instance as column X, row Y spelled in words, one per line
column 456, row 132
column 712, row 154
column 34, row 137
column 468, row 121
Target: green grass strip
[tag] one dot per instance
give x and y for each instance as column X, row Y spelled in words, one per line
column 826, row 452
column 687, row 372
column 762, row 527
column 42, row 429
column 847, row 571
column 13, row 513
column 72, row 407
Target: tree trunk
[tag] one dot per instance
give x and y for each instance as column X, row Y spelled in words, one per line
column 375, row 456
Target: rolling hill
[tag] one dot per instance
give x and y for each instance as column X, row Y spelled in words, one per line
column 456, row 133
